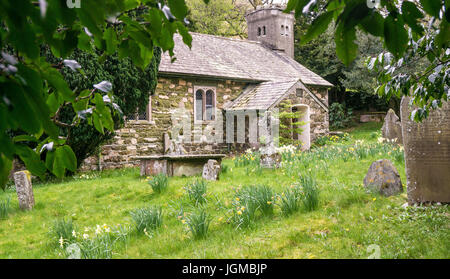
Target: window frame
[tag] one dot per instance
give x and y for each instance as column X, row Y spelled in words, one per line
column 204, row 89
column 148, row 110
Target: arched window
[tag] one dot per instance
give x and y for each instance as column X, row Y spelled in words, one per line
column 282, row 30
column 204, row 103
column 259, row 31
column 264, row 30
column 287, row 31
column 209, row 105
column 199, row 104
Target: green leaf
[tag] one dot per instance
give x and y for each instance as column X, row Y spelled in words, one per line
column 395, row 35
column 31, row 159
column 410, row 15
column 432, row 7
column 55, row 79
column 443, row 38
column 178, row 8
column 84, row 42
column 111, row 41
column 319, row 25
column 373, row 24
column 187, row 38
column 24, row 138
column 346, row 48
column 68, row 158
column 5, row 169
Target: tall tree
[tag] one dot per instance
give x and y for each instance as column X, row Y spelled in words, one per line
column 218, row 17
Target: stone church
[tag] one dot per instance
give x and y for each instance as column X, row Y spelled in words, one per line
column 223, row 74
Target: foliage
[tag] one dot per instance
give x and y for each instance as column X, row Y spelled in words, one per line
column 310, row 192
column 99, row 246
column 354, row 84
column 289, row 124
column 218, row 17
column 132, row 87
column 159, row 183
column 248, row 201
column 339, row 116
column 33, row 91
column 197, row 191
column 410, row 31
column 198, row 223
column 147, row 218
column 289, row 200
column 62, row 232
column 4, row 208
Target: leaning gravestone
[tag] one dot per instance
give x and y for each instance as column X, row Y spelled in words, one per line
column 24, row 189
column 211, row 170
column 427, row 154
column 383, row 178
column 392, row 127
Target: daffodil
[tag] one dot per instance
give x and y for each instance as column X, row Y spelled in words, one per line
column 61, row 242
column 239, row 212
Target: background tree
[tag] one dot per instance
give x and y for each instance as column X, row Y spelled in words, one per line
column 218, row 17
column 410, row 31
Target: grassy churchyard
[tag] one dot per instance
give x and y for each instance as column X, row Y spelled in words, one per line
column 314, row 206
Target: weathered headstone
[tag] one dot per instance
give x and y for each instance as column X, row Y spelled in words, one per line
column 392, row 127
column 24, row 189
column 383, row 178
column 270, row 158
column 211, row 170
column 427, row 154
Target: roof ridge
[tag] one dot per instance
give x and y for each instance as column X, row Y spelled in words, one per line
column 227, row 38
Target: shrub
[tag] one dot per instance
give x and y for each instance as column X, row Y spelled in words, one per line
column 62, row 232
column 310, row 197
column 147, row 218
column 4, row 209
column 159, row 183
column 197, row 191
column 339, row 116
column 198, row 223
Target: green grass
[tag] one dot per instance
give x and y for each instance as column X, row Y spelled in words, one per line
column 345, row 223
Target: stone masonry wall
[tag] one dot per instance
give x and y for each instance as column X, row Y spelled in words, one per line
column 140, row 138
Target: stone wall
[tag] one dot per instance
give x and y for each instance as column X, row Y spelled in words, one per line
column 140, row 138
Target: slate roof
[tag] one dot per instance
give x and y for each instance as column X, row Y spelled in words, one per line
column 263, row 95
column 220, row 57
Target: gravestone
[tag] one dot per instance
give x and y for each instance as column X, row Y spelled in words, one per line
column 24, row 189
column 211, row 170
column 392, row 127
column 383, row 178
column 270, row 158
column 427, row 154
